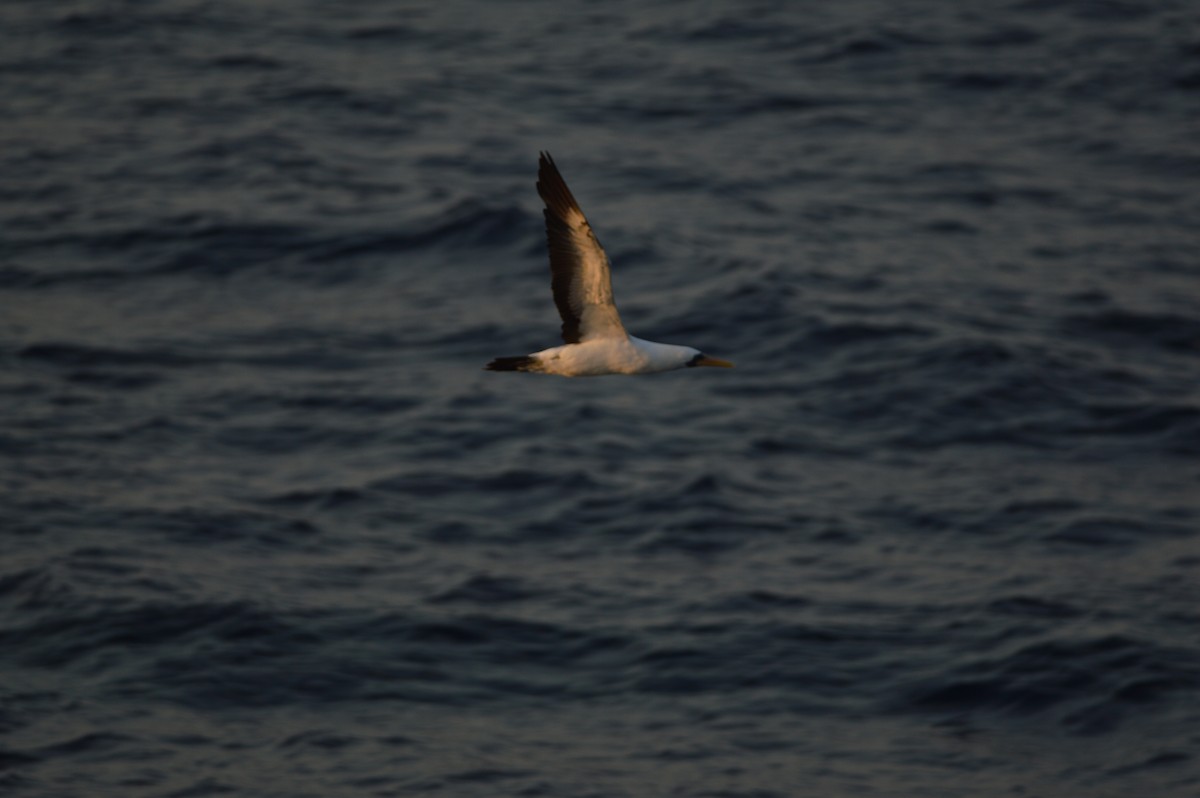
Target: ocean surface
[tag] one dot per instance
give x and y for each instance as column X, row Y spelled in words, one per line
column 269, row 530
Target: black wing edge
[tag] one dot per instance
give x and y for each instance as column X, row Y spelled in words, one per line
column 553, row 189
column 564, row 256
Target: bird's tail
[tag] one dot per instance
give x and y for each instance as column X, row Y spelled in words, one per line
column 521, row 363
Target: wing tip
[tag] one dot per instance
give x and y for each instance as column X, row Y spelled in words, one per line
column 553, row 189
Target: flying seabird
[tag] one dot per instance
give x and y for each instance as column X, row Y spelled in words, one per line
column 595, row 341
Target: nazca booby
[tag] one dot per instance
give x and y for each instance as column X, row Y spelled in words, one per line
column 595, row 341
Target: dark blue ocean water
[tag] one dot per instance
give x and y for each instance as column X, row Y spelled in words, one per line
column 268, row 529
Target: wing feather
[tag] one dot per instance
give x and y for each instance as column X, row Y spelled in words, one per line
column 579, row 270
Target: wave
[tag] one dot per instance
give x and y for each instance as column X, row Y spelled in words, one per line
column 1088, row 685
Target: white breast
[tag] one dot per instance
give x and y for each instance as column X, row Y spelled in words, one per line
column 626, row 355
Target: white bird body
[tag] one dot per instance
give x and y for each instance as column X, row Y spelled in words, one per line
column 625, row 355
column 596, row 342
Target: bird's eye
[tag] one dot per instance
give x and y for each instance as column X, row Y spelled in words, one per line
column 695, row 361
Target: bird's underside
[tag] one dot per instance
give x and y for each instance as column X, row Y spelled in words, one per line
column 595, row 341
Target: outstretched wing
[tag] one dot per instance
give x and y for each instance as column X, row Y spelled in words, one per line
column 579, row 274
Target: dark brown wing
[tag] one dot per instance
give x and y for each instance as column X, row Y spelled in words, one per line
column 579, row 271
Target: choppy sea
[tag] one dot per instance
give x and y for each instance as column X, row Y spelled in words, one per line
column 269, row 530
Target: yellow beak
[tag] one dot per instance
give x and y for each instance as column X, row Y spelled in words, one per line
column 712, row 361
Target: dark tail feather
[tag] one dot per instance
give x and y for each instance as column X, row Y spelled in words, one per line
column 522, row 363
